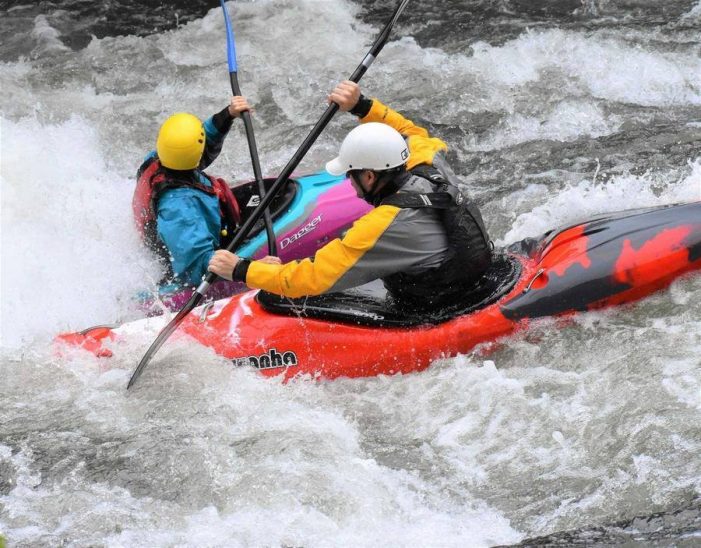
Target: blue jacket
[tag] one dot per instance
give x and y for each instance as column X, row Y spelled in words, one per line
column 188, row 220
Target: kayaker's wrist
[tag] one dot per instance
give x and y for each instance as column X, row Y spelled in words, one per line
column 241, row 270
column 362, row 107
column 222, row 120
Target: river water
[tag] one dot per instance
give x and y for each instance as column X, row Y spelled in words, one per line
column 555, row 110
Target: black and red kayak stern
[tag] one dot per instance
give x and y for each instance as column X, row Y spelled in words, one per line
column 609, row 260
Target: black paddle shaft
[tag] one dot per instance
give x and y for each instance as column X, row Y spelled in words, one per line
column 248, row 124
column 265, row 201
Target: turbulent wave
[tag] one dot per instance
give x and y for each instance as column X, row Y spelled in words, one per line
column 554, row 111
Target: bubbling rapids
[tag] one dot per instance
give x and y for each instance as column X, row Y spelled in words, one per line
column 554, row 111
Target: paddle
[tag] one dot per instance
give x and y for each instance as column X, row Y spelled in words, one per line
column 274, row 189
column 236, row 90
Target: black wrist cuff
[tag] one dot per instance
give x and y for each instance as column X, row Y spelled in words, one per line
column 223, row 120
column 240, row 270
column 362, row 107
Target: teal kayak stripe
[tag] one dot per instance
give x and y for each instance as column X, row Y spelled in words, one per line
column 310, row 188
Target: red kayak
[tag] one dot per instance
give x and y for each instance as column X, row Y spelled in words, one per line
column 605, row 261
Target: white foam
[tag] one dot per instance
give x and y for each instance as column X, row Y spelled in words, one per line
column 568, row 121
column 545, row 210
column 693, row 14
column 596, row 64
column 47, row 38
column 71, row 255
column 548, row 84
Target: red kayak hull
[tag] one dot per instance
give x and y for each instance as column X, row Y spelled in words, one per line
column 592, row 265
column 602, row 262
column 304, row 346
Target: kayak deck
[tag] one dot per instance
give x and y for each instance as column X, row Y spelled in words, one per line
column 368, row 307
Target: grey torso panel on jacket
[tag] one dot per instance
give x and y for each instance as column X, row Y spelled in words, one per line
column 414, row 242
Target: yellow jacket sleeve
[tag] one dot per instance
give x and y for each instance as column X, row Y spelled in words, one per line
column 336, row 266
column 422, row 147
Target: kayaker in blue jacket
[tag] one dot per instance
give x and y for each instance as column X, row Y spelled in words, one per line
column 182, row 213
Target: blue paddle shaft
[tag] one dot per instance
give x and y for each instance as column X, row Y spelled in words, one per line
column 231, row 56
column 230, row 43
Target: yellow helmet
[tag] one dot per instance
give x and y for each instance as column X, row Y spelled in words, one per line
column 180, row 142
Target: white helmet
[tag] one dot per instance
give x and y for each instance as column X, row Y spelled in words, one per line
column 372, row 146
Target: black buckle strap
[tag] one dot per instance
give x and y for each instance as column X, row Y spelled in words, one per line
column 413, row 200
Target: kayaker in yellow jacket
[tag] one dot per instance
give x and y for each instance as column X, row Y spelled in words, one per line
column 424, row 239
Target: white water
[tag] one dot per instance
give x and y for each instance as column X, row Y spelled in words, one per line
column 564, row 427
